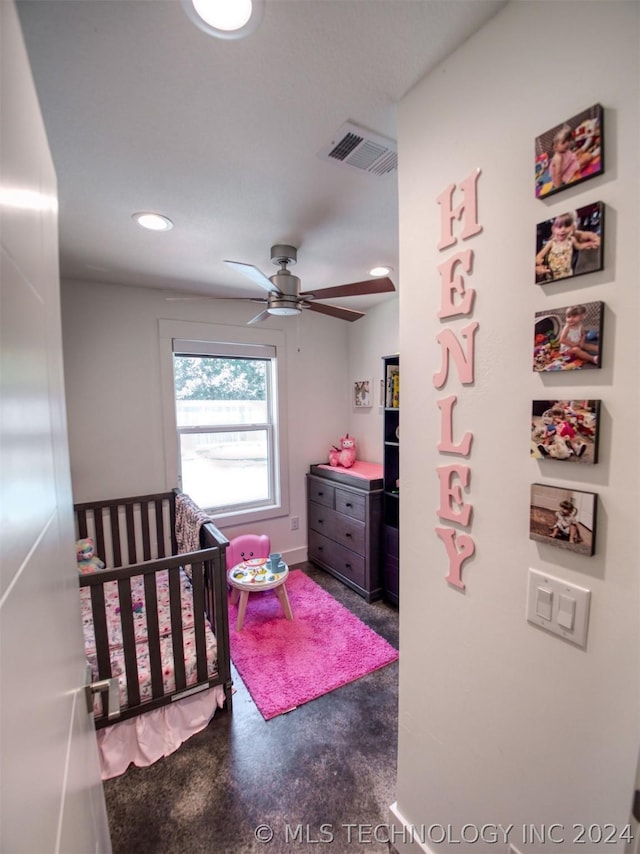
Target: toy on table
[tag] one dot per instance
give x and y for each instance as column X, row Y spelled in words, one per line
column 87, row 560
column 345, row 455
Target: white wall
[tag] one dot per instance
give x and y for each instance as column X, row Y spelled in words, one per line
column 371, row 338
column 501, row 721
column 114, row 404
column 52, row 796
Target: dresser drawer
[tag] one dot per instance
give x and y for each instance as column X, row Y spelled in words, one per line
column 321, row 519
column 321, row 492
column 351, row 504
column 344, row 530
column 342, row 560
column 350, row 533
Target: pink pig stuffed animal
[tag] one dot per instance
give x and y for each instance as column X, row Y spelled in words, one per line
column 345, row 455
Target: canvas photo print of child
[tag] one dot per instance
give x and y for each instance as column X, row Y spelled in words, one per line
column 563, row 517
column 570, row 244
column 568, row 338
column 565, row 430
column 570, row 152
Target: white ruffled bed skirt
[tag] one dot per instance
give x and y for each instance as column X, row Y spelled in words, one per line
column 148, row 737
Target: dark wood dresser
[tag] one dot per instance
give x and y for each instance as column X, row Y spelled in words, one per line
column 344, row 516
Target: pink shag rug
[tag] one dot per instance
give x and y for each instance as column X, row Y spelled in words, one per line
column 285, row 663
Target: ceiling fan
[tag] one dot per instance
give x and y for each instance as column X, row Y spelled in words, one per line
column 284, row 296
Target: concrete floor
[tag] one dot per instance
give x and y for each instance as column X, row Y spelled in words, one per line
column 321, row 774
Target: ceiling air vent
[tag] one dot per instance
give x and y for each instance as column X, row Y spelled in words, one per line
column 361, row 149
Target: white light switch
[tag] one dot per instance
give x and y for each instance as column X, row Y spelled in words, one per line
column 544, row 603
column 558, row 606
column 566, row 611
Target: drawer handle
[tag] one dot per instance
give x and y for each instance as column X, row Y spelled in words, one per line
column 320, row 493
column 347, row 566
column 320, row 548
column 347, row 534
column 320, row 521
column 348, row 504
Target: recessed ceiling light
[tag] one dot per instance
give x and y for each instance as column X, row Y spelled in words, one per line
column 225, row 19
column 153, row 221
column 380, row 271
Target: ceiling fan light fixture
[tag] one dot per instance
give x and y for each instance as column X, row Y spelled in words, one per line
column 225, row 19
column 284, row 310
column 152, row 221
column 380, row 271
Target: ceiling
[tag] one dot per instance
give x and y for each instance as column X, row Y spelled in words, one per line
column 146, row 112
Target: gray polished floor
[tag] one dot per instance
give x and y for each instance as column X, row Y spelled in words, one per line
column 321, row 774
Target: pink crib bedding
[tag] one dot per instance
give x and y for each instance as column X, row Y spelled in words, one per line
column 114, row 631
column 149, row 737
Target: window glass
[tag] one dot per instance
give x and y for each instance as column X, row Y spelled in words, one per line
column 226, row 430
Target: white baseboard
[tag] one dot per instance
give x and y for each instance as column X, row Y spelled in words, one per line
column 294, row 556
column 405, row 838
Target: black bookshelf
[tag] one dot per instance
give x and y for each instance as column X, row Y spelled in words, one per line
column 391, row 478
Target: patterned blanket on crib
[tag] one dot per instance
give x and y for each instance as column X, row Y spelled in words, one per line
column 189, row 519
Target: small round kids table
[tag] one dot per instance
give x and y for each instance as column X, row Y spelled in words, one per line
column 254, row 576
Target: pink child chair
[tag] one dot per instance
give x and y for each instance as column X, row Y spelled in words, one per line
column 247, row 546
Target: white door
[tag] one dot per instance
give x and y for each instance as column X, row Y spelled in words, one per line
column 52, row 796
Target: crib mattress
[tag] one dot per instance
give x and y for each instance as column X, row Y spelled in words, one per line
column 114, row 631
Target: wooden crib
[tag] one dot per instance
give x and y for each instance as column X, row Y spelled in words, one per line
column 155, row 619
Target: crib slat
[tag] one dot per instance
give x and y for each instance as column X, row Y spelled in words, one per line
column 172, row 523
column 146, row 539
column 175, row 608
column 129, row 642
column 115, row 535
column 100, row 631
column 99, row 534
column 131, row 534
column 197, row 585
column 217, row 601
column 160, row 528
column 153, row 635
column 82, row 524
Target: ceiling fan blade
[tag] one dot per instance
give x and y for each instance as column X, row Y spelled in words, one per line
column 187, row 299
column 262, row 316
column 202, row 297
column 253, row 273
column 370, row 286
column 335, row 311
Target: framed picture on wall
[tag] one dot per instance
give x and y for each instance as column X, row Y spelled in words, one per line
column 362, row 393
column 570, row 152
column 568, row 338
column 563, row 517
column 570, row 244
column 565, row 430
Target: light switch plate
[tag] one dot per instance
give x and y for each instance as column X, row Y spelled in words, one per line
column 561, row 593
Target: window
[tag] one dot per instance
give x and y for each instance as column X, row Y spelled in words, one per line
column 224, row 403
column 226, row 425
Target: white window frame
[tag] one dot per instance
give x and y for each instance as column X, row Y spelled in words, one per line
column 213, row 339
